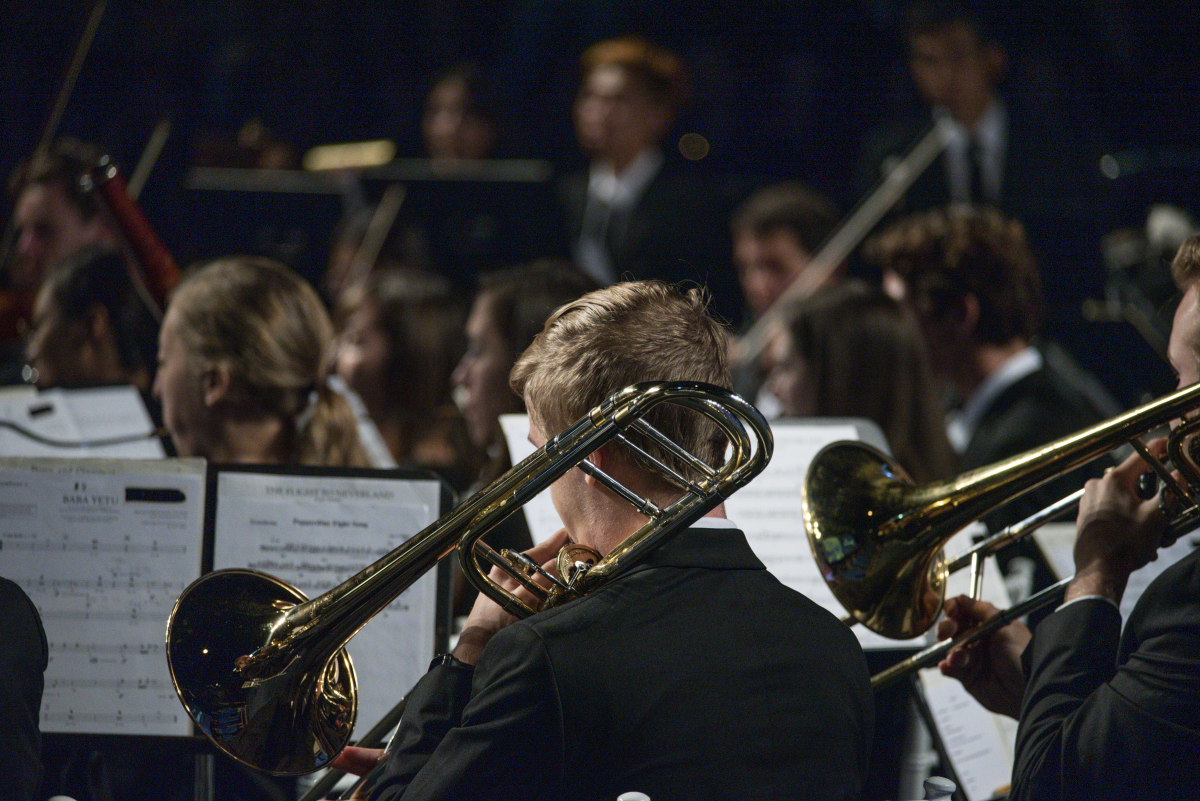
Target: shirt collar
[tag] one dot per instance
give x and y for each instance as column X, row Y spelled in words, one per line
column 623, row 191
column 962, row 427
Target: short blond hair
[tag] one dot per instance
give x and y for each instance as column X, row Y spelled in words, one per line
column 625, row 334
column 1185, row 267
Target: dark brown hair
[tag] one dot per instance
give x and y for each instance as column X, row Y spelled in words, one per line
column 791, row 207
column 948, row 253
column 61, row 165
column 864, row 357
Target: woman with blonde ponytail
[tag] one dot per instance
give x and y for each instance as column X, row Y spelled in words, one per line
column 244, row 353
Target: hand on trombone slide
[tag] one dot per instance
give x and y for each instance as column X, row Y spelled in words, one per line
column 1117, row 530
column 1120, row 528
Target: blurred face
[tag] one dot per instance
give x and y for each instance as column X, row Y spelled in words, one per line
column 766, row 265
column 786, row 379
column 615, row 119
column 48, row 228
column 1185, row 339
column 362, row 358
column 54, row 347
column 952, row 68
column 178, row 387
column 451, row 130
column 481, row 378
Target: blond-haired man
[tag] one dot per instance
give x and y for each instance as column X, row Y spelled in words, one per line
column 694, row 675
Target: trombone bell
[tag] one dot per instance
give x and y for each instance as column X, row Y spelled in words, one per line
column 278, row 721
column 853, row 496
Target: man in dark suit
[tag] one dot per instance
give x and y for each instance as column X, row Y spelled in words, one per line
column 23, row 659
column 640, row 211
column 971, row 280
column 1105, row 714
column 997, row 152
column 695, row 674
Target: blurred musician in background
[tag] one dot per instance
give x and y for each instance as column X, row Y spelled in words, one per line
column 400, row 337
column 776, row 232
column 640, row 211
column 509, row 310
column 1105, row 714
column 90, row 325
column 999, row 150
column 52, row 217
column 974, row 286
column 23, row 660
column 244, row 352
column 680, row 679
column 851, row 351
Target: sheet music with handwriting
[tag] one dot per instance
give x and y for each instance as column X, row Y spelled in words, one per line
column 316, row 531
column 769, row 511
column 104, row 547
column 78, row 415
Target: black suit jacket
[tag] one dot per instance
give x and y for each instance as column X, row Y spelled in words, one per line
column 697, row 675
column 1115, row 716
column 23, row 659
column 677, row 231
column 1058, row 399
column 1049, row 184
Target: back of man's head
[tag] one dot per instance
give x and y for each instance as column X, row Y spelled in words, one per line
column 621, row 335
column 946, row 254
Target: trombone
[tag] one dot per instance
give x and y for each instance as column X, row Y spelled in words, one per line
column 877, row 538
column 263, row 671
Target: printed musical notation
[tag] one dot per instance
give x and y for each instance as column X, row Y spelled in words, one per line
column 104, row 548
column 316, row 531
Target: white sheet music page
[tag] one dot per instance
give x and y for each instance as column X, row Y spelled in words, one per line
column 316, row 531
column 79, row 415
column 769, row 511
column 980, row 744
column 104, row 547
column 1057, row 541
column 540, row 514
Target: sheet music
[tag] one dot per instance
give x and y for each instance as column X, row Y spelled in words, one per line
column 769, row 510
column 540, row 515
column 78, row 415
column 1057, row 541
column 104, row 547
column 979, row 743
column 316, row 531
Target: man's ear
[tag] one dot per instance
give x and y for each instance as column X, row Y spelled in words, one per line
column 603, row 460
column 215, row 383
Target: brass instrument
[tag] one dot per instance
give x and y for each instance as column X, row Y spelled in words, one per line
column 878, row 538
column 263, row 671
